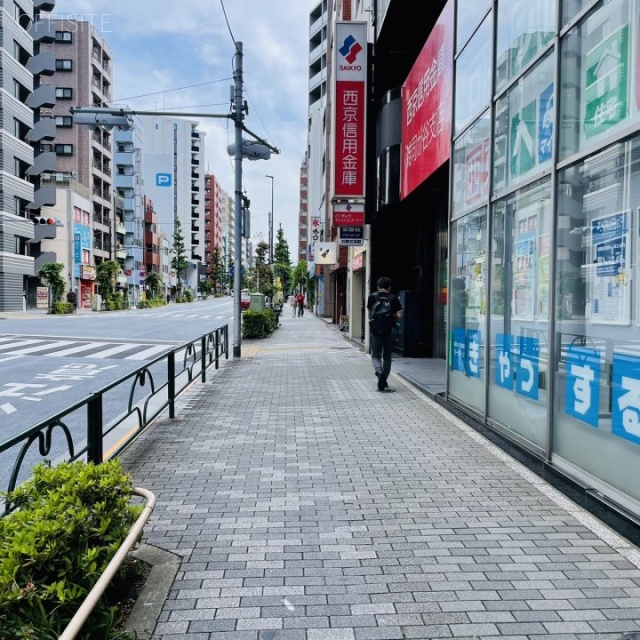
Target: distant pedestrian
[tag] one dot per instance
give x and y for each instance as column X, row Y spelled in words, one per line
column 300, row 300
column 294, row 305
column 384, row 312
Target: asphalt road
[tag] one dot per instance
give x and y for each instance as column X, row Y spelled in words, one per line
column 48, row 363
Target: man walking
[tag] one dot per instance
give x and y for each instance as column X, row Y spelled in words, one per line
column 300, row 300
column 384, row 312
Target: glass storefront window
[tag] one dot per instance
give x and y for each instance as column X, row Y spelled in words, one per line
column 525, row 28
column 596, row 75
column 471, row 167
column 571, row 8
column 524, row 127
column 468, row 301
column 597, row 395
column 519, row 293
column 473, row 76
column 469, row 16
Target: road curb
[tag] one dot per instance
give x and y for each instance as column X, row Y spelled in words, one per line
column 146, row 611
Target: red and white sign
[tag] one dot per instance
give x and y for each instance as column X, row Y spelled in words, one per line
column 358, row 262
column 348, row 215
column 477, row 173
column 350, row 93
column 426, row 106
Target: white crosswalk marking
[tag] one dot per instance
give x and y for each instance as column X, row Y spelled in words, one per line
column 41, row 347
column 16, row 347
column 78, row 349
column 113, row 351
column 148, row 353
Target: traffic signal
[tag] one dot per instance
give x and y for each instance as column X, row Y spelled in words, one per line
column 41, row 220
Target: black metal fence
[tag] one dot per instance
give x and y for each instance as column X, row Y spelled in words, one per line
column 101, row 425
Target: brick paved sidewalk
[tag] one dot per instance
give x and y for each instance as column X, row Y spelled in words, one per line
column 308, row 506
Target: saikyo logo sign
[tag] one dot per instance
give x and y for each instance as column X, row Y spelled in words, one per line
column 426, row 106
column 350, row 109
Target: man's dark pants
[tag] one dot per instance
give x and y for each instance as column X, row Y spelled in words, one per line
column 381, row 349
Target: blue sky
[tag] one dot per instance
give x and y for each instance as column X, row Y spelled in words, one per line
column 161, row 45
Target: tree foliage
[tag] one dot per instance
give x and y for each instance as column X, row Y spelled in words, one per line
column 179, row 262
column 51, row 274
column 106, row 273
column 153, row 282
column 282, row 266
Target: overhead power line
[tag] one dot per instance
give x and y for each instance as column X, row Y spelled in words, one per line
column 189, row 86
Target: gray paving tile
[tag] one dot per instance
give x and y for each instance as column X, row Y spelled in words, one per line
column 359, row 517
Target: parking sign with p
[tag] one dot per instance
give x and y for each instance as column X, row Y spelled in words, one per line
column 163, row 179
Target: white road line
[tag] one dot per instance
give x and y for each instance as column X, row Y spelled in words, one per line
column 8, row 408
column 72, row 350
column 147, row 353
column 42, row 347
column 9, row 358
column 111, row 352
column 20, row 343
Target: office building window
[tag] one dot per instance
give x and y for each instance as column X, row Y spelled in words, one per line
column 525, row 29
column 64, row 65
column 473, row 76
column 64, row 93
column 598, row 316
column 63, row 149
column 64, row 121
column 597, row 97
column 520, row 285
column 64, row 36
column 468, row 309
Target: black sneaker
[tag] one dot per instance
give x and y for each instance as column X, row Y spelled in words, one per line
column 381, row 383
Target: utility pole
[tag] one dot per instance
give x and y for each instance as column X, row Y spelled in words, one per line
column 237, row 276
column 271, row 225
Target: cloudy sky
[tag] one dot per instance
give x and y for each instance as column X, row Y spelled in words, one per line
column 169, row 55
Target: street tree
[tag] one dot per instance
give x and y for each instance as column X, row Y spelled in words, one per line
column 282, row 266
column 263, row 273
column 153, row 282
column 106, row 273
column 217, row 269
column 51, row 274
column 179, row 261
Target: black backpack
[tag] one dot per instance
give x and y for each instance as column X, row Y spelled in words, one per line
column 381, row 319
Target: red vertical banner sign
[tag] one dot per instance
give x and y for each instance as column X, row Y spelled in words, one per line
column 426, row 106
column 350, row 91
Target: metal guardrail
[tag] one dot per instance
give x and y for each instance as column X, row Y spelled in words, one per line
column 145, row 401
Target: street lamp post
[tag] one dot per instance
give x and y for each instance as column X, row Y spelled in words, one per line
column 271, row 224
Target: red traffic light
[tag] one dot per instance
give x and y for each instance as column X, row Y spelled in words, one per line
column 47, row 221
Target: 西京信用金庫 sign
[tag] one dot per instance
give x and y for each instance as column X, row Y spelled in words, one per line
column 426, row 106
column 350, row 93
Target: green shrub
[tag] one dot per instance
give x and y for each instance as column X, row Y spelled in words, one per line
column 188, row 295
column 62, row 308
column 258, row 324
column 68, row 523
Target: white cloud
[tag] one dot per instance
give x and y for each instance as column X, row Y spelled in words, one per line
column 162, row 45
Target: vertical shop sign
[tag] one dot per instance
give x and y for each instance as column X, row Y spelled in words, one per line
column 610, row 279
column 350, row 92
column 504, row 361
column 315, row 234
column 426, row 106
column 527, row 373
column 625, row 412
column 606, row 83
column 545, row 125
column 582, row 390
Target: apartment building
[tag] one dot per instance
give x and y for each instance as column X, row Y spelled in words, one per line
column 84, row 77
column 17, row 100
column 214, row 216
column 172, row 169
